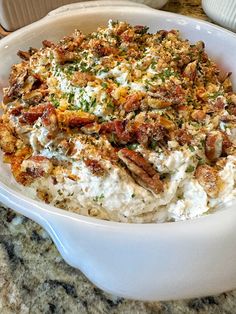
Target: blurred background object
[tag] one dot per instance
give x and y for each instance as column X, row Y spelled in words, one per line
column 223, row 12
column 18, row 13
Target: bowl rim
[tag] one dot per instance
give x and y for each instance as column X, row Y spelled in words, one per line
column 139, row 9
column 9, row 194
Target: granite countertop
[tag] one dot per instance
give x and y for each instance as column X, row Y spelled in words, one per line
column 34, row 278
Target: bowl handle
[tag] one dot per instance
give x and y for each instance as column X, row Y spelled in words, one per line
column 92, row 4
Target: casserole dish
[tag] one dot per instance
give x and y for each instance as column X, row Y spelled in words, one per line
column 149, row 261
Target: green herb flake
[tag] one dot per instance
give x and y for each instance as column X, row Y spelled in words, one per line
column 215, row 95
column 133, row 146
column 190, row 168
column 71, row 97
column 98, row 198
column 104, row 84
column 153, row 144
column 143, row 30
column 54, row 101
column 192, row 149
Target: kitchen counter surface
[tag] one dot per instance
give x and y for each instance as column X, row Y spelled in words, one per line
column 34, row 278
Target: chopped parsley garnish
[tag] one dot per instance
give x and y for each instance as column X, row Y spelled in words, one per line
column 165, row 74
column 141, row 29
column 192, row 149
column 153, row 145
column 70, row 69
column 98, row 198
column 54, row 101
column 190, row 168
column 84, row 67
column 104, row 84
column 71, row 97
column 111, row 105
column 215, row 95
column 133, row 146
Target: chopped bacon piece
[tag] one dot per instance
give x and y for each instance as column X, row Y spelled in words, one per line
column 213, row 145
column 122, row 134
column 149, row 131
column 25, row 55
column 102, row 48
column 118, row 128
column 62, row 55
column 49, row 117
column 182, row 136
column 95, row 166
column 16, row 111
column 227, row 146
column 48, row 44
column 107, row 127
column 126, row 132
column 140, row 29
column 128, row 35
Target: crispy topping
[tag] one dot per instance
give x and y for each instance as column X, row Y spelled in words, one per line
column 213, row 146
column 32, row 114
column 75, row 119
column 37, row 166
column 198, row 115
column 81, row 78
column 183, row 137
column 95, row 166
column 122, row 95
column 7, row 138
column 208, row 178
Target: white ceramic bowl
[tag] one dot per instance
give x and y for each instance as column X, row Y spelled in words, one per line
column 149, row 261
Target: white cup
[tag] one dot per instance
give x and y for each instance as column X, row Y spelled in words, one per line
column 223, row 12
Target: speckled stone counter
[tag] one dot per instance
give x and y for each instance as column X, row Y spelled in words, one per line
column 34, row 278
